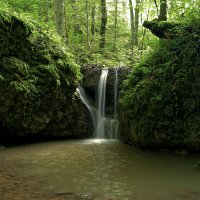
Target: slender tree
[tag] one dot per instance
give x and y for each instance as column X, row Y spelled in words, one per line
column 132, row 25
column 144, row 29
column 115, row 25
column 60, row 18
column 102, row 40
column 155, row 2
column 66, row 28
column 93, row 13
column 163, row 10
column 137, row 10
column 75, row 16
column 87, row 24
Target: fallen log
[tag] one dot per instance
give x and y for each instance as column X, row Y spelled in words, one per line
column 162, row 29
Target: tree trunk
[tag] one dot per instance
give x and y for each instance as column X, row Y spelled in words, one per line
column 132, row 26
column 87, row 25
column 137, row 10
column 93, row 20
column 66, row 28
column 144, row 31
column 103, row 25
column 155, row 2
column 60, row 18
column 115, row 26
column 163, row 10
column 77, row 28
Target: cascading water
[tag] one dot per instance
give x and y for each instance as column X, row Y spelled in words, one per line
column 104, row 126
column 115, row 91
column 85, row 99
column 101, row 120
column 115, row 122
column 107, row 127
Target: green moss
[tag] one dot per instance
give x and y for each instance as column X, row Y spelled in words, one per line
column 156, row 98
column 37, row 75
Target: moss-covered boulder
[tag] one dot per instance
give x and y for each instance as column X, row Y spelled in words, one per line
column 160, row 101
column 38, row 79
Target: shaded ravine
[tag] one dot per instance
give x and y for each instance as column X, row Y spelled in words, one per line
column 97, row 169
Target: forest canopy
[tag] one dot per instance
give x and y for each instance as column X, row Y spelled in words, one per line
column 105, row 32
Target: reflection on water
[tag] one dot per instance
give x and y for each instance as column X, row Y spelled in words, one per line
column 99, row 141
column 108, row 170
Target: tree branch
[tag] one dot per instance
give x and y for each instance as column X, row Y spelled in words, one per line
column 161, row 29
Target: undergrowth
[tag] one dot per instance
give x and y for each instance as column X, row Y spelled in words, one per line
column 153, row 98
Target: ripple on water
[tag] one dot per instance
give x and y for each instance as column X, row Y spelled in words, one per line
column 106, row 169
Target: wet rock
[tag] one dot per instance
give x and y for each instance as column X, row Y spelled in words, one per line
column 91, row 75
column 75, row 121
column 66, row 193
column 181, row 151
column 197, row 166
column 38, row 80
column 2, row 147
column 90, row 79
column 159, row 105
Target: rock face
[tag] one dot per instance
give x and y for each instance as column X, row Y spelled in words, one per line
column 160, row 101
column 38, row 79
column 91, row 75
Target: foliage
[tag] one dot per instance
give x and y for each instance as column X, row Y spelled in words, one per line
column 43, row 11
column 159, row 101
column 36, row 72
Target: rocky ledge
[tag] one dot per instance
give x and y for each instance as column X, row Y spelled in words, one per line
column 160, row 101
column 38, row 80
column 91, row 75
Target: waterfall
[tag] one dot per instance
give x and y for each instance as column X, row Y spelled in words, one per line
column 115, row 91
column 87, row 101
column 107, row 127
column 115, row 121
column 101, row 120
column 104, row 126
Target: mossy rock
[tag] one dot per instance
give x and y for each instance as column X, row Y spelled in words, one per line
column 38, row 78
column 160, row 101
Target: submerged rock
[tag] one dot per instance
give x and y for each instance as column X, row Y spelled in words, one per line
column 38, row 79
column 2, row 147
column 160, row 101
column 85, row 196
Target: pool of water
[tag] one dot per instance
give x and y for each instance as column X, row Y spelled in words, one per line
column 107, row 169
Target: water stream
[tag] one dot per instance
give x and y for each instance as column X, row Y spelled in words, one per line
column 115, row 91
column 104, row 126
column 101, row 119
column 107, row 126
column 106, row 169
column 88, row 102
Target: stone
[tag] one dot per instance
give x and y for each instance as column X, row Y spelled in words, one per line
column 91, row 75
column 2, row 147
column 38, row 82
column 159, row 106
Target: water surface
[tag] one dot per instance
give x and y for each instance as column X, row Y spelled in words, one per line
column 107, row 169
